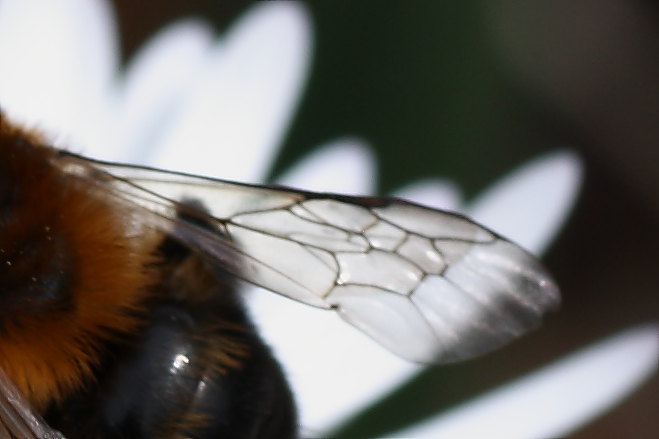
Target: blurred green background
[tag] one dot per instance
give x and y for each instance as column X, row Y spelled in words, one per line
column 468, row 91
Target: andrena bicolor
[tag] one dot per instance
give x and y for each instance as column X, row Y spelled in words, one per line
column 119, row 317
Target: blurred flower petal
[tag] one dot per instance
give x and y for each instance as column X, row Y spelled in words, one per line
column 342, row 166
column 333, row 369
column 239, row 109
column 154, row 86
column 557, row 399
column 440, row 194
column 530, row 205
column 58, row 57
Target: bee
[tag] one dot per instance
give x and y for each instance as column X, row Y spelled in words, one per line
column 119, row 315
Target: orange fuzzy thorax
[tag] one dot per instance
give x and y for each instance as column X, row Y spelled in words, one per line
column 62, row 232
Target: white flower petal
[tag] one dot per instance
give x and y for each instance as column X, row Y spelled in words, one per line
column 530, row 204
column 557, row 399
column 333, row 369
column 440, row 194
column 58, row 57
column 154, row 86
column 342, row 166
column 238, row 111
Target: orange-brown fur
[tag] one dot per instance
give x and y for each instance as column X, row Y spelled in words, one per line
column 49, row 355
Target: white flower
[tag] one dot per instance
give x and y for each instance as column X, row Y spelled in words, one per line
column 220, row 107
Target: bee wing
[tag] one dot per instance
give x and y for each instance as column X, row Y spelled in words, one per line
column 17, row 419
column 430, row 285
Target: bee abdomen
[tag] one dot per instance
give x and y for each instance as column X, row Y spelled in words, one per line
column 170, row 384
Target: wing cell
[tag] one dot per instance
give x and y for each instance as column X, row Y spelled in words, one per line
column 341, row 215
column 390, row 318
column 423, row 253
column 432, row 223
column 387, row 271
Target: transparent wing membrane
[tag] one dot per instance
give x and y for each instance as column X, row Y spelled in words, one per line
column 431, row 286
column 17, row 419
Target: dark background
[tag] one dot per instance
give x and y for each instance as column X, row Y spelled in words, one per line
column 470, row 90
